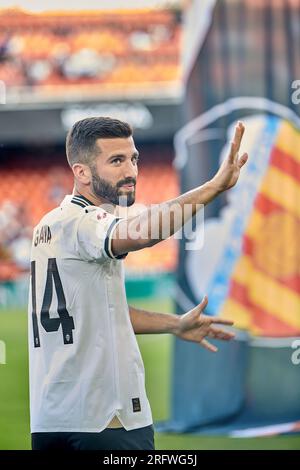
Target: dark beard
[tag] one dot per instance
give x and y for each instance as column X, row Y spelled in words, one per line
column 104, row 189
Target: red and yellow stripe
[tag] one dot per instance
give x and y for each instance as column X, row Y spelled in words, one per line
column 264, row 292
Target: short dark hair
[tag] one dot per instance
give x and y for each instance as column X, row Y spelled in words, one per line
column 81, row 144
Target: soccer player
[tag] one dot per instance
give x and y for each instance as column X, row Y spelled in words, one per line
column 87, row 384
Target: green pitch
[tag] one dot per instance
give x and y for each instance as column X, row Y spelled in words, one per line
column 156, row 351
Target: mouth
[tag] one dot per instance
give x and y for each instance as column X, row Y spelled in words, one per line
column 128, row 186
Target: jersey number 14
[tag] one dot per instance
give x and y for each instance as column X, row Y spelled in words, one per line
column 51, row 324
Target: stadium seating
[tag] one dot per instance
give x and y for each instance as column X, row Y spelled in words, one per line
column 60, row 49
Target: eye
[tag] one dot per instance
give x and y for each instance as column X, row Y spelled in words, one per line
column 116, row 161
column 135, row 160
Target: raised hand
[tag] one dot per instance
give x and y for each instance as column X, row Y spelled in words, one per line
column 229, row 171
column 195, row 326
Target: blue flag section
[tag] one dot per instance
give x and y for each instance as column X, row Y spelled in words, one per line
column 242, row 64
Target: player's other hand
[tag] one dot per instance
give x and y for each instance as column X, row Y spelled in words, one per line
column 195, row 326
column 229, row 171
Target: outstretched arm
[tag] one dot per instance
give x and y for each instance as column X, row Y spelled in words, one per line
column 137, row 232
column 192, row 326
column 145, row 322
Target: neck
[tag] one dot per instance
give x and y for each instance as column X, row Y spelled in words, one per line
column 96, row 200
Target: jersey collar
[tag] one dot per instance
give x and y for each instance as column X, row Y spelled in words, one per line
column 81, row 201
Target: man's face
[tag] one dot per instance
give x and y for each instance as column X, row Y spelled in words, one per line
column 115, row 171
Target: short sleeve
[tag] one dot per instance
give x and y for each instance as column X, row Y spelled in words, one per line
column 94, row 235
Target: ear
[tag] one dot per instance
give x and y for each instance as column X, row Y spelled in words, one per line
column 82, row 173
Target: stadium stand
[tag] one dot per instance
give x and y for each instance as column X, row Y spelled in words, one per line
column 88, row 48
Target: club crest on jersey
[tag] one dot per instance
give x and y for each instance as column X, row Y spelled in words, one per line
column 42, row 235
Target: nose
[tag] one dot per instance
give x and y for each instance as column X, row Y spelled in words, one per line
column 130, row 170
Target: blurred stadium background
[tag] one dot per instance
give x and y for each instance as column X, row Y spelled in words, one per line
column 187, row 69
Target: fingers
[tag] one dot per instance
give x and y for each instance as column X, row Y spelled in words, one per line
column 232, row 153
column 236, row 142
column 207, row 345
column 203, row 304
column 242, row 160
column 242, row 127
column 191, row 318
column 221, row 334
column 222, row 321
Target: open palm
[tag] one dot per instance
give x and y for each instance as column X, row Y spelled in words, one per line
column 229, row 171
column 195, row 326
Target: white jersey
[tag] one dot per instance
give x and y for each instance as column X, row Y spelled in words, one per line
column 85, row 363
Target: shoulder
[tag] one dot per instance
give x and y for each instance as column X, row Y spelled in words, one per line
column 49, row 218
column 97, row 218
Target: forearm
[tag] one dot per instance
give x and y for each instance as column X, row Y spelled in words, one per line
column 162, row 220
column 176, row 212
column 145, row 322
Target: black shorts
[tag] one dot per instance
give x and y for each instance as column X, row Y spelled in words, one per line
column 109, row 439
